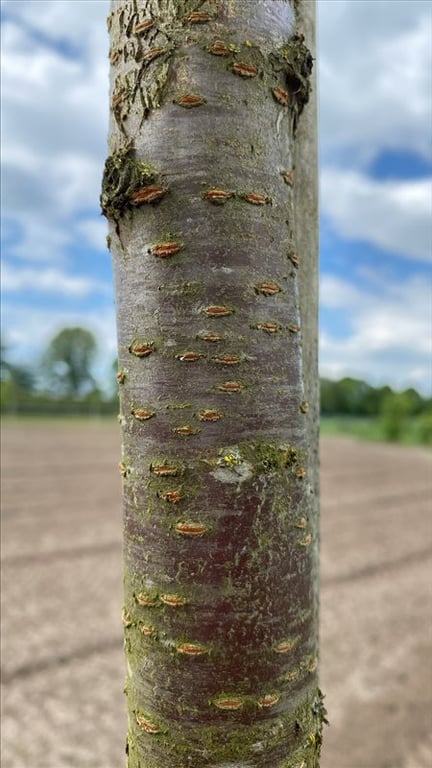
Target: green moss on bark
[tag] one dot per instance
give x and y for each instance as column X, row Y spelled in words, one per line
column 123, row 175
column 258, row 744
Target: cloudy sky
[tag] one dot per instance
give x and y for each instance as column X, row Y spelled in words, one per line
column 375, row 60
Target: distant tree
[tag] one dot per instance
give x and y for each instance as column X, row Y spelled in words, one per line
column 68, row 360
column 115, row 375
column 348, row 396
column 378, row 399
column 424, row 427
column 353, row 394
column 397, row 409
column 416, row 402
column 328, row 397
column 18, row 376
column 4, row 364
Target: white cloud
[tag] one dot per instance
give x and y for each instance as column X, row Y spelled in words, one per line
column 49, row 281
column 76, row 181
column 55, row 109
column 338, row 294
column 44, row 198
column 387, row 332
column 375, row 77
column 394, row 215
column 66, row 97
column 78, row 22
column 94, row 231
column 38, row 241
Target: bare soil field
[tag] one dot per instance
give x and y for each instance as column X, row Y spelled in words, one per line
column 62, row 658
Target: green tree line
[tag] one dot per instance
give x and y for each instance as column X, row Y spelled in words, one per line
column 397, row 414
column 61, row 382
column 64, row 382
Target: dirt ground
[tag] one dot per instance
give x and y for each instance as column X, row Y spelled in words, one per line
column 62, row 680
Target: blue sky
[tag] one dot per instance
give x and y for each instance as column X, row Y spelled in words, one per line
column 375, row 60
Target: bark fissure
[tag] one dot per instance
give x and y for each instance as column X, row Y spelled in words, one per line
column 220, row 608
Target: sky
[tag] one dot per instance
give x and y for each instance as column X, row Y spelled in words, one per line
column 375, row 93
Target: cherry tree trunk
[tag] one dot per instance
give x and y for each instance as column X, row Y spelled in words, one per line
column 210, row 191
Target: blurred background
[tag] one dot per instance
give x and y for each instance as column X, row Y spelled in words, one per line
column 61, row 558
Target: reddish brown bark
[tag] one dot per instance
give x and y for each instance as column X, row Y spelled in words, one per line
column 219, row 487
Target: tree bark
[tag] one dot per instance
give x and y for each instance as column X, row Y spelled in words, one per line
column 210, row 190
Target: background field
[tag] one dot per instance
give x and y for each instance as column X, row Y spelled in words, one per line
column 62, row 637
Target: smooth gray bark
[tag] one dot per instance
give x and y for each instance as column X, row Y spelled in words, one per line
column 210, row 190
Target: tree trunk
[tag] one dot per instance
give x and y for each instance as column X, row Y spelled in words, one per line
column 210, row 190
